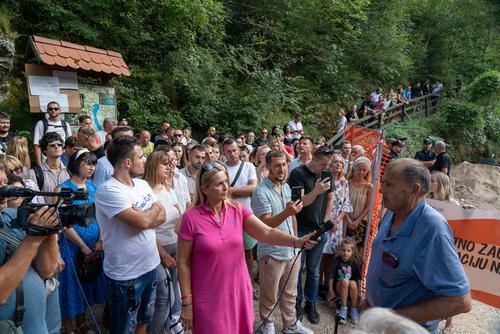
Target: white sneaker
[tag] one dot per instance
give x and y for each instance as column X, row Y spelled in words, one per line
column 268, row 328
column 297, row 328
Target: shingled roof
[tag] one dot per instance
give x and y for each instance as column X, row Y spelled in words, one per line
column 78, row 57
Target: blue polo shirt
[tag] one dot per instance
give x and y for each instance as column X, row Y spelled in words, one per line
column 428, row 262
column 266, row 199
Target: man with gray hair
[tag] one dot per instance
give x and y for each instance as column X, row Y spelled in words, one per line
column 443, row 159
column 356, row 152
column 107, row 126
column 414, row 266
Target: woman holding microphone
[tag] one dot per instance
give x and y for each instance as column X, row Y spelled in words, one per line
column 215, row 285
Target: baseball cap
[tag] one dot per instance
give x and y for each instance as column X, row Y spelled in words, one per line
column 397, row 143
column 427, row 141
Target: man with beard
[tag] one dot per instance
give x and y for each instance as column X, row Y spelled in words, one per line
column 271, row 202
column 196, row 158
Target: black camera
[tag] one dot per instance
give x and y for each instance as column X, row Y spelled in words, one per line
column 69, row 213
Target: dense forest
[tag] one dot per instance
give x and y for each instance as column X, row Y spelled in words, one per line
column 250, row 63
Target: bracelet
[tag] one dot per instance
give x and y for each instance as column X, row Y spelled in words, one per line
column 186, row 296
column 185, row 305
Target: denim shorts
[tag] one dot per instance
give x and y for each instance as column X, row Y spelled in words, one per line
column 131, row 302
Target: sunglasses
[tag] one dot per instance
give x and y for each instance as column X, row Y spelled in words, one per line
column 208, row 166
column 390, row 259
column 53, row 145
column 52, row 109
column 177, row 134
column 16, row 170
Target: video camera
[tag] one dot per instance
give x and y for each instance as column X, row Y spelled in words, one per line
column 69, row 214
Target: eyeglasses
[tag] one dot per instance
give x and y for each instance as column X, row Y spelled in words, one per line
column 52, row 109
column 54, row 145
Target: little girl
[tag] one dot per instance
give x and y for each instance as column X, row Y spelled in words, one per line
column 344, row 279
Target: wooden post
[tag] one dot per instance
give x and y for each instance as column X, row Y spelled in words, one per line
column 403, row 113
column 380, row 120
column 427, row 106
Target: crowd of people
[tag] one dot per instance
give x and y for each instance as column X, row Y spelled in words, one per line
column 180, row 223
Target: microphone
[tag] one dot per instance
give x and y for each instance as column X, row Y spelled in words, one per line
column 324, row 228
column 11, row 191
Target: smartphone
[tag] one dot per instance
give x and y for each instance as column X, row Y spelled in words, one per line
column 326, row 173
column 297, row 193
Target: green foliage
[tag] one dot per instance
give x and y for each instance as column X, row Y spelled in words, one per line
column 246, row 64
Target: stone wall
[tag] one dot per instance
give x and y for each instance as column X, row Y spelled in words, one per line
column 6, row 64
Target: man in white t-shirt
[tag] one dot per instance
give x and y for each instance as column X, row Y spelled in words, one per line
column 305, row 153
column 127, row 211
column 242, row 183
column 296, row 126
column 53, row 124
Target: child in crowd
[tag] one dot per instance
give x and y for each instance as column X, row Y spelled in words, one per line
column 344, row 279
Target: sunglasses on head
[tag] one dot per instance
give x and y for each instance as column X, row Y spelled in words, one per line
column 208, row 166
column 53, row 109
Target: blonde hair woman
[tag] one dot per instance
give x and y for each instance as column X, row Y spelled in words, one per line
column 360, row 192
column 14, row 166
column 215, row 285
column 158, row 173
column 18, row 147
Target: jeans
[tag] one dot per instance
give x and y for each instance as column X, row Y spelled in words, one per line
column 131, row 302
column 168, row 306
column 311, row 259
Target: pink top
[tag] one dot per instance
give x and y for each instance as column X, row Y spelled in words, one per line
column 221, row 287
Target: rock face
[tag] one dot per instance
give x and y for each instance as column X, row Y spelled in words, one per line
column 6, row 64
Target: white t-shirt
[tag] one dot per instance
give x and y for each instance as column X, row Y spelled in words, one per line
column 295, row 126
column 129, row 252
column 247, row 174
column 181, row 188
column 165, row 232
column 102, row 135
column 56, row 127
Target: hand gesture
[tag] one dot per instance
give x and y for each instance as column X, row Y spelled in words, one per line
column 45, row 217
column 97, row 246
column 168, row 261
column 187, row 317
column 306, row 242
column 292, row 208
column 322, row 186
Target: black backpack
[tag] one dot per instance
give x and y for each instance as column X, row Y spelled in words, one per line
column 63, row 125
column 39, row 176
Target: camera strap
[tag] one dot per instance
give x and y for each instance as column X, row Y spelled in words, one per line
column 19, row 315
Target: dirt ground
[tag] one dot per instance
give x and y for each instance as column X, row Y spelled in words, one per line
column 473, row 184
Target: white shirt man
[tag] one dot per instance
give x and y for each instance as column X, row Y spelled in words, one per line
column 127, row 211
column 296, row 126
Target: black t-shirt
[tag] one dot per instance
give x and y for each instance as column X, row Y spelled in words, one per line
column 260, row 142
column 424, row 155
column 340, row 270
column 443, row 160
column 311, row 216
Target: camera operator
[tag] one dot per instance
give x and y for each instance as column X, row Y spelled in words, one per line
column 23, row 269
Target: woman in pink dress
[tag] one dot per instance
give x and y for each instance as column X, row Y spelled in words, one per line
column 215, row 285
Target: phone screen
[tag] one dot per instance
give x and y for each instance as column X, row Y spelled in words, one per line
column 297, row 193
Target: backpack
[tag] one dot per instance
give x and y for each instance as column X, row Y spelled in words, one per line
column 39, row 176
column 63, row 125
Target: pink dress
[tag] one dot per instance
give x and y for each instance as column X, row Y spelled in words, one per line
column 221, row 287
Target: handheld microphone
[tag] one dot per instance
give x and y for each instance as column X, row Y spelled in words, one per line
column 324, row 228
column 11, row 191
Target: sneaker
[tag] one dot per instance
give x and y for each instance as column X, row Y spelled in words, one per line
column 297, row 328
column 268, row 328
column 342, row 314
column 311, row 312
column 354, row 316
column 298, row 310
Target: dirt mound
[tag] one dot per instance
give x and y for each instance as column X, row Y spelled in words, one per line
column 476, row 184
